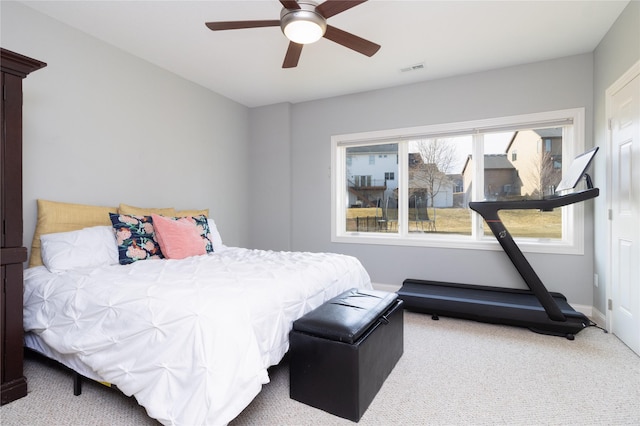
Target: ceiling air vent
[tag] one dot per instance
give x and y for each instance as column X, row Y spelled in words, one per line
column 415, row 67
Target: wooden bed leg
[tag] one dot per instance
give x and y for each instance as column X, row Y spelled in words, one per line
column 77, row 383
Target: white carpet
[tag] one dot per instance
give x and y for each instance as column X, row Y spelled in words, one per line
column 453, row 372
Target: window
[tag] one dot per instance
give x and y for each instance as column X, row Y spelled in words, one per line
column 362, row 181
column 418, row 192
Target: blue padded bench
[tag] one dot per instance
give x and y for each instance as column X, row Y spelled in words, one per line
column 342, row 352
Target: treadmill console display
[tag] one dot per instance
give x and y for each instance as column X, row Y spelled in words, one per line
column 576, row 170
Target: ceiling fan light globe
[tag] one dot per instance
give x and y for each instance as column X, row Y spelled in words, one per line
column 303, row 32
column 303, row 26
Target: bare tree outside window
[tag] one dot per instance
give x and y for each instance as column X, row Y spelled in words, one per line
column 544, row 174
column 428, row 173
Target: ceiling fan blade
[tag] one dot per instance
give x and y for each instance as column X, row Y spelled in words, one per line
column 332, row 7
column 290, row 4
column 236, row 25
column 292, row 56
column 351, row 41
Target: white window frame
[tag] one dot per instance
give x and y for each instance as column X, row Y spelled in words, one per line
column 572, row 215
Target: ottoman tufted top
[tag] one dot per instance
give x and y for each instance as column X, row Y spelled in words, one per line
column 347, row 316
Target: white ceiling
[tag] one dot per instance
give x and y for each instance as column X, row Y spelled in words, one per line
column 449, row 37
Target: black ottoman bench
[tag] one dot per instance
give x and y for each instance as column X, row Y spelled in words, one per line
column 342, row 352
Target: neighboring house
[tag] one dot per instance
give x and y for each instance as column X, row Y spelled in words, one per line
column 501, row 180
column 458, row 190
column 537, row 155
column 530, row 168
column 373, row 181
column 372, row 174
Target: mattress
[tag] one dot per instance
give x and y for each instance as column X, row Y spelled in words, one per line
column 191, row 339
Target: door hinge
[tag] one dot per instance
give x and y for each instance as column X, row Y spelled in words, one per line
column 609, row 124
column 610, row 214
column 609, row 304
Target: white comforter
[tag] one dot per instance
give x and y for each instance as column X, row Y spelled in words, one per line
column 191, row 339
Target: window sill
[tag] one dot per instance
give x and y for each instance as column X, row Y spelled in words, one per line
column 546, row 246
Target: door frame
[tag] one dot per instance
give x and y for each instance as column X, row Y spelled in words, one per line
column 623, row 80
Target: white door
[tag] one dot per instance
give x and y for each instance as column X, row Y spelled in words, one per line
column 625, row 211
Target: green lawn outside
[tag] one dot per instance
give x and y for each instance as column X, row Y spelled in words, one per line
column 520, row 223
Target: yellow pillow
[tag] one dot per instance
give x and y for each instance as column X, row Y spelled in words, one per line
column 141, row 211
column 185, row 213
column 54, row 216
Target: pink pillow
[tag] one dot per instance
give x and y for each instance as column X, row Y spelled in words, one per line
column 178, row 238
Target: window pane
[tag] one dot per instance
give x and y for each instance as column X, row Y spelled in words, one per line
column 438, row 196
column 537, row 165
column 372, row 188
column 531, row 223
column 525, row 165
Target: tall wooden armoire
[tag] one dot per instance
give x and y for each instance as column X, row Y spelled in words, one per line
column 15, row 68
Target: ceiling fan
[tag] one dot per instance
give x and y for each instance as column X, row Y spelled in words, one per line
column 304, row 22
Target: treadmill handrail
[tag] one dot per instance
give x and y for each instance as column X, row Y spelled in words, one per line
column 489, row 212
column 544, row 204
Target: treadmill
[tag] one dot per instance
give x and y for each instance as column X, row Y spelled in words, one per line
column 536, row 308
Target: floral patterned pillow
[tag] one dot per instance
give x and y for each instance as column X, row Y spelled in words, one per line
column 203, row 228
column 136, row 238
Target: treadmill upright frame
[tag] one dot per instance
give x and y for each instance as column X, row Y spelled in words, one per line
column 536, row 308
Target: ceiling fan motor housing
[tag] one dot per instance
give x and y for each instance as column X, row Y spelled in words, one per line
column 306, row 16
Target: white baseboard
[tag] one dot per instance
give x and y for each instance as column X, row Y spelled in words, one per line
column 599, row 318
column 587, row 310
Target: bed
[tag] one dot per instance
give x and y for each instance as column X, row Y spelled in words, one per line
column 191, row 339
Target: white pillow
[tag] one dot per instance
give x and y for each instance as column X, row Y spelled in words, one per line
column 87, row 248
column 216, row 239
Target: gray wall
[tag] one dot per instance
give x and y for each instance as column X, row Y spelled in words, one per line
column 549, row 85
column 616, row 53
column 104, row 127
column 270, row 177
